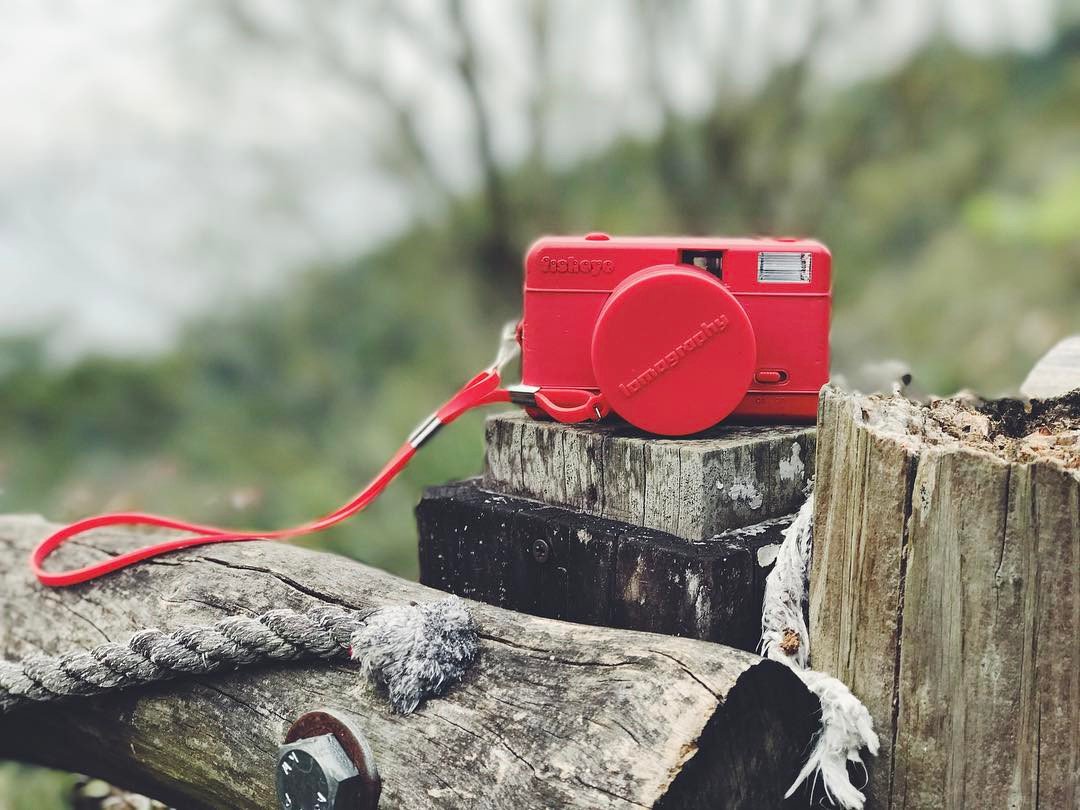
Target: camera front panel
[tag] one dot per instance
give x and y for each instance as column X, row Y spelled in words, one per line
column 783, row 285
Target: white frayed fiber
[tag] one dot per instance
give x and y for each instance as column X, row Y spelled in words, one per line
column 416, row 651
column 784, row 636
column 846, row 725
column 846, row 728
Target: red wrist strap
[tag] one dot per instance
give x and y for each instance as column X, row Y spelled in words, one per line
column 482, row 389
column 571, row 405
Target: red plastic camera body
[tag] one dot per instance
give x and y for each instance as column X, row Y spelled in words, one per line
column 677, row 334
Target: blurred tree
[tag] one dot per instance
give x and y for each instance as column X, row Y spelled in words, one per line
column 320, row 35
column 356, row 59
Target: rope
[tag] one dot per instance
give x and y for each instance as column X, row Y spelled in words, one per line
column 410, row 652
column 846, row 727
column 784, row 635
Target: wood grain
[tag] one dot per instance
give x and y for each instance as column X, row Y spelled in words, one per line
column 694, row 487
column 481, row 545
column 551, row 715
column 946, row 591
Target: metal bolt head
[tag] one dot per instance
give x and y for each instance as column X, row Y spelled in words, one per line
column 541, row 550
column 326, row 764
column 314, row 774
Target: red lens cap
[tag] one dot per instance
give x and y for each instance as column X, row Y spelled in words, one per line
column 673, row 351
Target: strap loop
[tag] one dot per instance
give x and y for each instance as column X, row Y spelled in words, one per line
column 572, row 405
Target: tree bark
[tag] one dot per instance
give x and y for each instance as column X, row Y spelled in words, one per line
column 945, row 591
column 550, row 715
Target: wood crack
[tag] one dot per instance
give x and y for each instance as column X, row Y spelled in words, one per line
column 610, row 793
column 644, row 484
column 286, row 580
column 688, row 671
column 217, row 606
column 260, row 711
column 909, row 505
column 49, row 597
column 546, row 655
column 501, row 740
column 1005, row 526
column 629, row 733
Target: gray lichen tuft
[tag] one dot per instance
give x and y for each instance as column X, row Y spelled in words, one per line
column 414, row 652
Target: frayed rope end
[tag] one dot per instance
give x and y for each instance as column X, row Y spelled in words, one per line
column 413, row 652
column 846, row 729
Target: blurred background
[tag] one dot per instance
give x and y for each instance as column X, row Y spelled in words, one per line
column 245, row 245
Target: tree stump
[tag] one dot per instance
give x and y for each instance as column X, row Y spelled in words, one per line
column 602, row 524
column 945, row 591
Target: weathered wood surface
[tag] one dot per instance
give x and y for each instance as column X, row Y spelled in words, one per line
column 696, row 487
column 551, row 715
column 555, row 562
column 945, row 591
column 1057, row 373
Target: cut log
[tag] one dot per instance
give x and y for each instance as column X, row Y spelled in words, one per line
column 550, row 715
column 945, row 591
column 559, row 563
column 697, row 487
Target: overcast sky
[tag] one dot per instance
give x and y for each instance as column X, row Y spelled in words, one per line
column 152, row 165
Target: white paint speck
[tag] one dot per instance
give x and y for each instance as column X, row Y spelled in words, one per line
column 696, row 595
column 766, row 555
column 746, row 491
column 792, row 468
column 633, row 590
column 584, row 537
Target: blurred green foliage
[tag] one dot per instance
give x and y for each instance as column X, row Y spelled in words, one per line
column 23, row 788
column 949, row 193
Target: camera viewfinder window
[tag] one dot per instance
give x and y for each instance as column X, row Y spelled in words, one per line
column 707, row 260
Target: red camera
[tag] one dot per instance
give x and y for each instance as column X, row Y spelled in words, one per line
column 674, row 334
